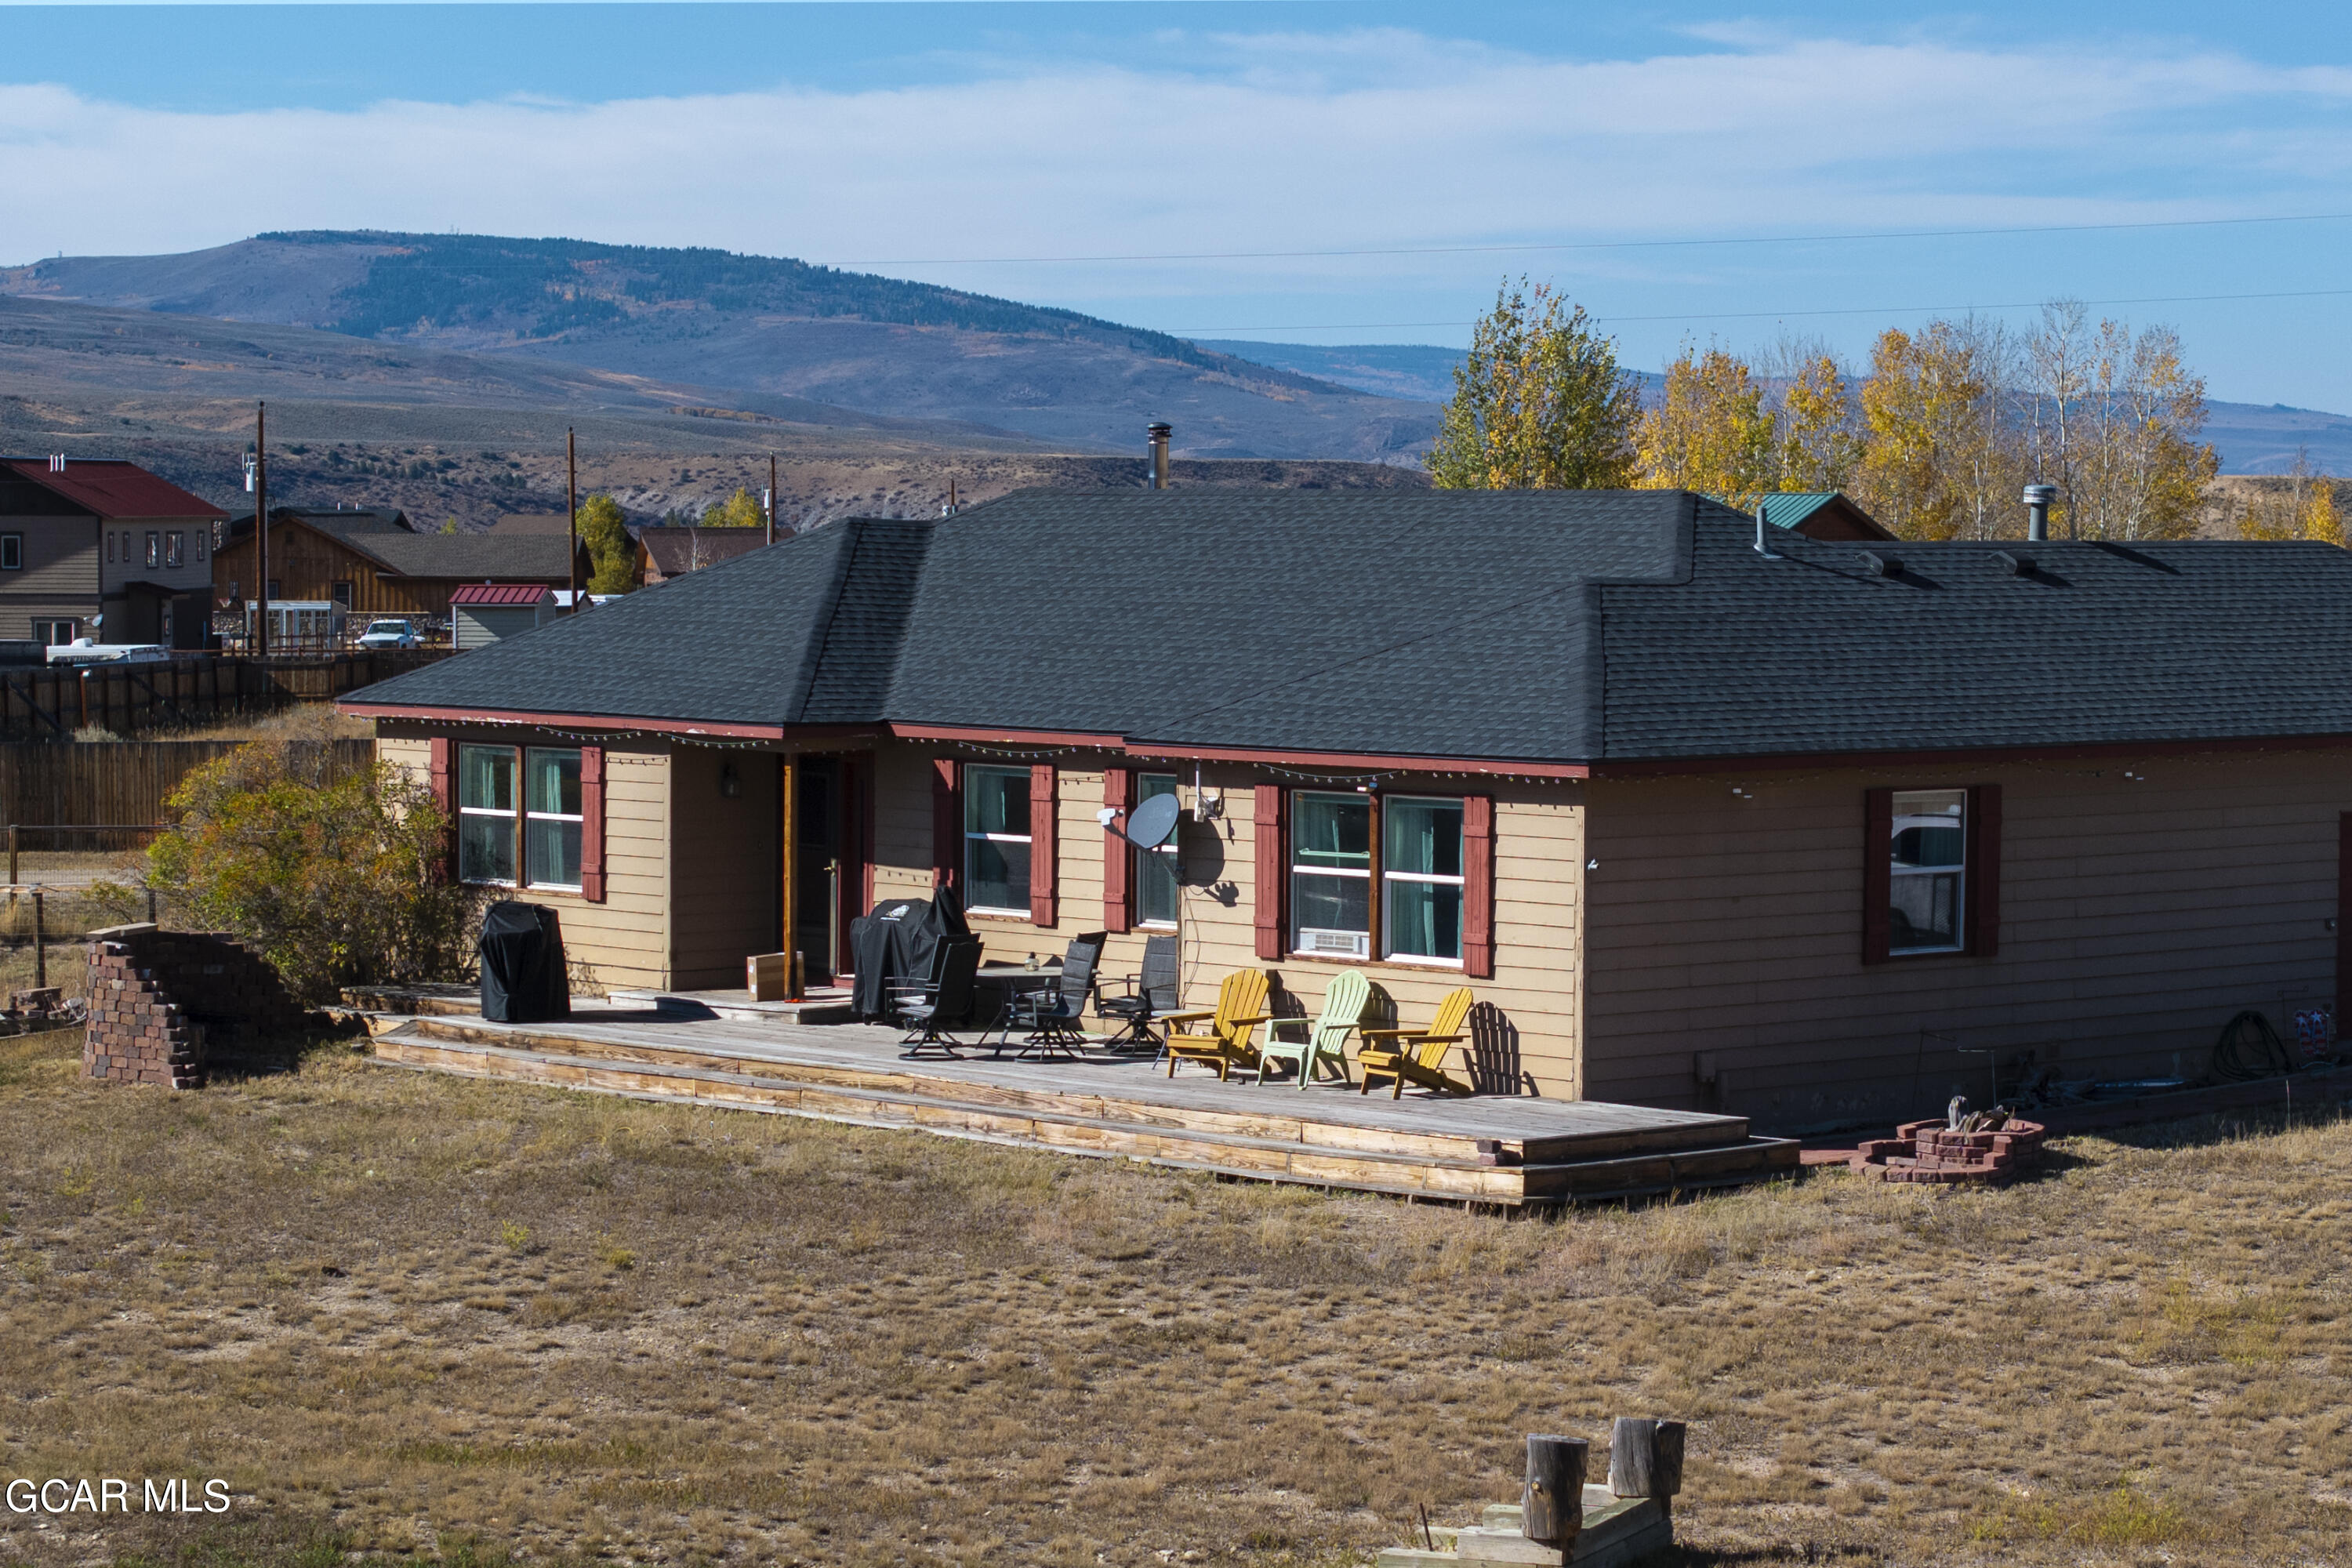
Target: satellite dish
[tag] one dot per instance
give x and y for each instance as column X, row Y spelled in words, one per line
column 1149, row 825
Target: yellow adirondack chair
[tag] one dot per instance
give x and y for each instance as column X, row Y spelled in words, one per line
column 1225, row 1042
column 1418, row 1055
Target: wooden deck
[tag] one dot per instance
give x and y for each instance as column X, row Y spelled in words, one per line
column 1497, row 1149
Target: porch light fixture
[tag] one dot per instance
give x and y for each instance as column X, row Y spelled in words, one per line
column 730, row 783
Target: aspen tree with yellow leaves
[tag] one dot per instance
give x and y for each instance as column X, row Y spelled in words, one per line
column 1710, row 432
column 1540, row 404
column 2305, row 506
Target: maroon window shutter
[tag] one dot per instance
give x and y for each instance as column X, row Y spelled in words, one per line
column 591, row 824
column 1983, row 890
column 1273, row 828
column 441, row 773
column 1118, row 887
column 2343, row 922
column 1045, row 861
column 947, row 823
column 1478, row 886
column 1877, row 880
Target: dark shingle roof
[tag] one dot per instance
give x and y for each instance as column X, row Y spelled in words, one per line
column 470, row 555
column 1559, row 626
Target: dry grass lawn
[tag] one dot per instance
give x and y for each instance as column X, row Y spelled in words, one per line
column 416, row 1316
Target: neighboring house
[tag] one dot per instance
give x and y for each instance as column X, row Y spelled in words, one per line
column 667, row 553
column 1823, row 514
column 531, row 523
column 97, row 547
column 375, row 562
column 1818, row 835
column 484, row 612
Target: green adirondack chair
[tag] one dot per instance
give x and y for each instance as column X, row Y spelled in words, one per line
column 1326, row 1037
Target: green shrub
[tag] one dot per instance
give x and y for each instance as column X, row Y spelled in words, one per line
column 335, row 884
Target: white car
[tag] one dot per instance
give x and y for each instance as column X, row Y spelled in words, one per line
column 388, row 634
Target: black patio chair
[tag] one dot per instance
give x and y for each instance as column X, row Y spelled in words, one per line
column 1052, row 1014
column 1148, row 995
column 928, row 1011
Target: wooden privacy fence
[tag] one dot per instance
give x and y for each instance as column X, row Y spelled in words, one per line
column 50, row 703
column 120, row 785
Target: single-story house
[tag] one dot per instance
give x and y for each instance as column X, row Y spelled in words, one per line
column 667, row 553
column 98, row 547
column 1815, row 833
column 483, row 613
column 375, row 563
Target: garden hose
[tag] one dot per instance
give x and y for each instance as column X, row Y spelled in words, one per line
column 2249, row 1048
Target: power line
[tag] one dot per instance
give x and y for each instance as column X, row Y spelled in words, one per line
column 1768, row 315
column 1599, row 243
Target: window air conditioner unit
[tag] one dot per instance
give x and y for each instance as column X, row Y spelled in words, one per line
column 1335, row 944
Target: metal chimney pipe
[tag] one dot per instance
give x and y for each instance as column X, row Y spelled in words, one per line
column 1158, row 433
column 2037, row 510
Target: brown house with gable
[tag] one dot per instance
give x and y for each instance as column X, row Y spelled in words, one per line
column 376, row 562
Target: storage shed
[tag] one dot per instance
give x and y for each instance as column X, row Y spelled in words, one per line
column 482, row 613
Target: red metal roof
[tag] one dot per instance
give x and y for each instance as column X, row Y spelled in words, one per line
column 113, row 489
column 500, row 593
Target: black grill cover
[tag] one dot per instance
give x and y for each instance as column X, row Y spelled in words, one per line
column 522, row 965
column 893, row 945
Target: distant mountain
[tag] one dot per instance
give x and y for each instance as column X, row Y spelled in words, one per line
column 2251, row 437
column 758, row 326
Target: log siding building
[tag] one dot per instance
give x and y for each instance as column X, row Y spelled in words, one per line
column 1794, row 836
column 375, row 562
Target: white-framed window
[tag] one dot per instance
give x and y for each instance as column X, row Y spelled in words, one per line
column 1155, row 869
column 551, row 817
column 486, row 815
column 174, row 548
column 12, row 552
column 1331, row 874
column 154, row 548
column 1927, row 860
column 1420, row 878
column 996, row 840
column 56, row 634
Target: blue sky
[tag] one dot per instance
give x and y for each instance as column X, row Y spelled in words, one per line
column 985, row 144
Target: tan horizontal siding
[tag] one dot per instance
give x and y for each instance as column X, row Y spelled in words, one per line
column 1540, row 854
column 621, row 940
column 2137, row 917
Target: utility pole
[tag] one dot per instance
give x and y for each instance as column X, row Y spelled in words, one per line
column 771, row 498
column 572, row 518
column 261, row 526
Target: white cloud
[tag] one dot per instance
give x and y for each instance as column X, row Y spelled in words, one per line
column 1303, row 142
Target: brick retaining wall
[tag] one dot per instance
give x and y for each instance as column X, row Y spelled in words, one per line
column 164, row 1003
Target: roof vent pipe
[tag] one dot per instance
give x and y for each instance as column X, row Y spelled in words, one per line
column 2037, row 512
column 1762, row 548
column 1158, row 433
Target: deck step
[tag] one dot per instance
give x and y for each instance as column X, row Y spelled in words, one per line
column 1323, row 1120
column 1097, row 1125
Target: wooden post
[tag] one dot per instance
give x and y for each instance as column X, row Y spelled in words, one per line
column 1646, row 1458
column 40, row 946
column 788, row 867
column 12, row 854
column 1552, row 1504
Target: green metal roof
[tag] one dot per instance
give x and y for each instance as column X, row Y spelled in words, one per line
column 1792, row 507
